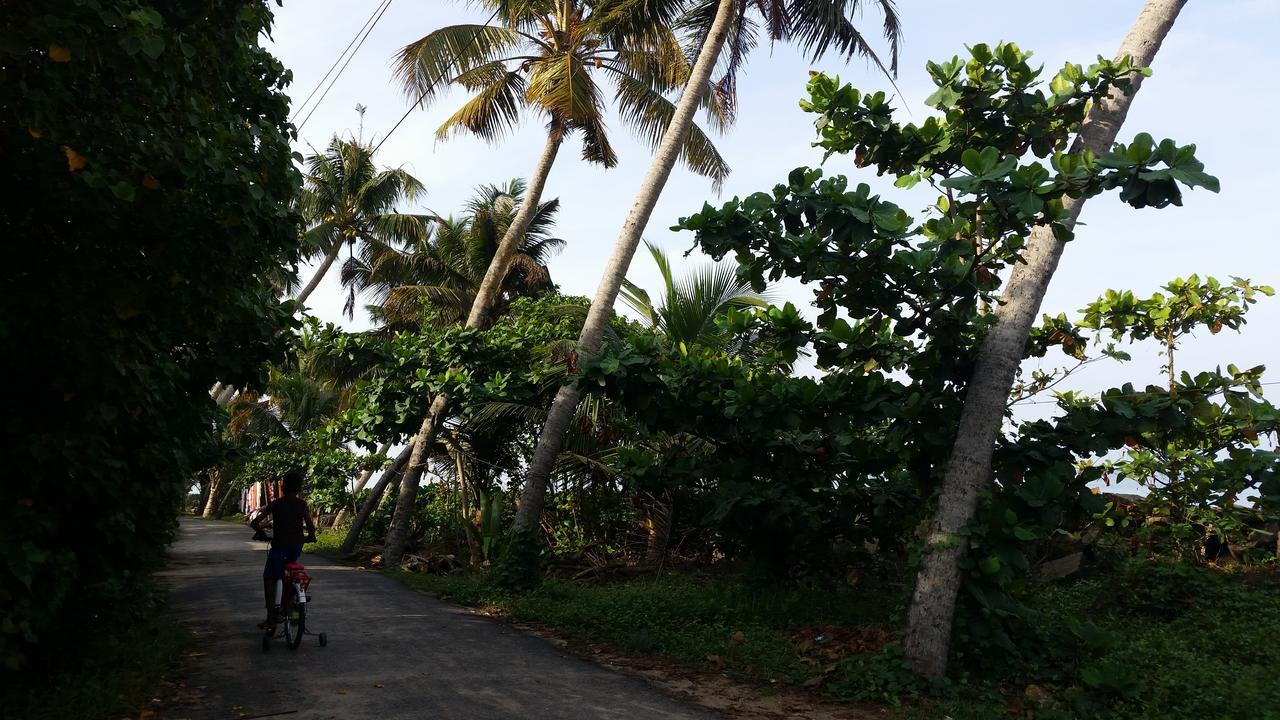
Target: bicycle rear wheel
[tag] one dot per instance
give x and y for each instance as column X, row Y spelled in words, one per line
column 295, row 625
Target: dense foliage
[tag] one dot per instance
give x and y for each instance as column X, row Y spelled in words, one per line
column 147, row 209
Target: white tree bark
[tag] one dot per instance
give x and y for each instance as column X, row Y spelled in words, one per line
column 562, row 409
column 969, row 467
column 215, row 486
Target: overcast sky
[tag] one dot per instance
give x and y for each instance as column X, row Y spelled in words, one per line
column 1213, row 86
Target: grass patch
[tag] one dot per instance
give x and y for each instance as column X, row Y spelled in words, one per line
column 112, row 671
column 1139, row 642
column 328, row 542
column 746, row 628
column 1149, row 641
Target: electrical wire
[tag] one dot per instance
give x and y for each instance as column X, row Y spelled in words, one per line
column 298, row 110
column 350, row 57
column 430, row 87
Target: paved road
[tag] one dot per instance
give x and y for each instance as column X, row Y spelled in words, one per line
column 433, row 660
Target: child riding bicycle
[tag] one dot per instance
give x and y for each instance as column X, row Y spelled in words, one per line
column 291, row 522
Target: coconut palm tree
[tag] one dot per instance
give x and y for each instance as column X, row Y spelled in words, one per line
column 817, row 27
column 447, row 266
column 690, row 306
column 554, row 58
column 346, row 201
column 546, row 56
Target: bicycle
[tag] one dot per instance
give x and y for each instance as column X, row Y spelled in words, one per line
column 291, row 608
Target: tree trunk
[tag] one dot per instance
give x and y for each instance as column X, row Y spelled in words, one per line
column 661, row 513
column 491, row 286
column 364, row 480
column 562, row 409
column 320, row 273
column 215, row 484
column 225, row 396
column 473, row 548
column 371, row 502
column 222, row 504
column 398, row 533
column 481, row 307
column 969, row 467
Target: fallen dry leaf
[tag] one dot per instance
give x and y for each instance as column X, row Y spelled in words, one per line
column 75, row 160
column 737, row 638
column 34, row 133
column 379, row 685
column 59, row 53
column 150, row 182
column 342, row 691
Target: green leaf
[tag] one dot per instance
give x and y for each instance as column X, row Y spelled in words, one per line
column 123, row 190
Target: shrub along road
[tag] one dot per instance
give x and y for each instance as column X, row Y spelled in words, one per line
column 392, row 653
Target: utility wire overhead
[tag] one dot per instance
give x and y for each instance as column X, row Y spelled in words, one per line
column 443, row 72
column 382, row 10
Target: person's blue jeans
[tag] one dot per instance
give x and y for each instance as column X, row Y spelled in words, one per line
column 277, row 558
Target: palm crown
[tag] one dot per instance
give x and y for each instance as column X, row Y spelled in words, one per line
column 347, row 201
column 550, row 57
column 690, row 306
column 445, row 266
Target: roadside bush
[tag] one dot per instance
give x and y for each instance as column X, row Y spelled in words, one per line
column 146, row 210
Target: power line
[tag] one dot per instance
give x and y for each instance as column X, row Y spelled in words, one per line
column 337, row 60
column 350, row 57
column 443, row 72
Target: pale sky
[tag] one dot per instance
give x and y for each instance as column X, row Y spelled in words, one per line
column 1213, row 86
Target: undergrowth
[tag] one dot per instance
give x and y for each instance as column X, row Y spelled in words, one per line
column 112, row 671
column 1138, row 642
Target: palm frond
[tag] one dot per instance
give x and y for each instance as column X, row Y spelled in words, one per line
column 424, row 67
column 492, row 112
column 650, row 113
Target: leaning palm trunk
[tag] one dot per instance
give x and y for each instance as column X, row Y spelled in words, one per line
column 364, row 480
column 215, row 484
column 481, row 307
column 662, row 515
column 371, row 502
column 969, row 467
column 320, row 273
column 562, row 409
column 398, row 533
column 487, row 295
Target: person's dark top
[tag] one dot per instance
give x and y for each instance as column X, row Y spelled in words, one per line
column 290, row 521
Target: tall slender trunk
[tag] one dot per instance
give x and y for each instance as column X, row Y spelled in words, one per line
column 360, row 483
column 491, row 285
column 320, row 273
column 371, row 502
column 662, row 516
column 481, row 308
column 215, row 484
column 969, row 467
column 398, row 533
column 562, row 409
column 227, row 494
column 473, row 548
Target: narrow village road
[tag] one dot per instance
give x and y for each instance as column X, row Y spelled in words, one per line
column 392, row 652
